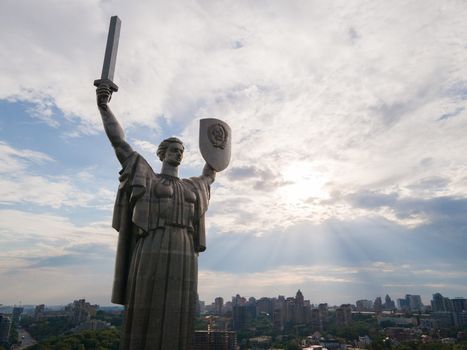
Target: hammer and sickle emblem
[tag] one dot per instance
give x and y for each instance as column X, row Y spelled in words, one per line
column 218, row 135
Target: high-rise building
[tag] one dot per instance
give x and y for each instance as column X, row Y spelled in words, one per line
column 448, row 312
column 277, row 319
column 315, row 320
column 459, row 304
column 441, row 303
column 378, row 305
column 347, row 313
column 323, row 310
column 415, row 302
column 199, row 306
column 299, row 300
column 444, row 319
column 218, row 305
column 389, row 303
column 403, row 305
column 288, row 311
column 16, row 315
column 227, row 307
column 340, row 319
column 438, row 303
column 449, row 305
column 461, row 319
column 364, row 305
column 299, row 308
column 214, row 340
column 5, row 328
column 80, row 311
column 242, row 315
column 238, row 300
column 264, row 306
column 344, row 315
column 39, row 311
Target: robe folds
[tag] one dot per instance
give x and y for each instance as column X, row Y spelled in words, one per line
column 160, row 220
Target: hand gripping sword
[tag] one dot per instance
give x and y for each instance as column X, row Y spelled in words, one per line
column 110, row 57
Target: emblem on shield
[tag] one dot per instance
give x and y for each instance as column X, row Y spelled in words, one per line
column 215, row 142
column 218, row 135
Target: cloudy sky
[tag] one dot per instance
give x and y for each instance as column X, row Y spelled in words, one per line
column 348, row 177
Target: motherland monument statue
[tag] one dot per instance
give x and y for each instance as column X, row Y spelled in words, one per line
column 161, row 223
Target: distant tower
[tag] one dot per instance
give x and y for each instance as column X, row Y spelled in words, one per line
column 218, row 305
column 378, row 305
column 347, row 313
column 265, row 306
column 389, row 303
column 340, row 318
column 316, row 321
column 16, row 316
column 403, row 305
column 215, row 339
column 343, row 315
column 198, row 306
column 5, row 328
column 437, row 303
column 299, row 308
column 323, row 310
column 299, row 300
column 80, row 311
column 415, row 302
column 39, row 311
column 364, row 305
column 237, row 300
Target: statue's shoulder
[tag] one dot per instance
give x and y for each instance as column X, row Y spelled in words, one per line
column 193, row 181
column 136, row 161
column 198, row 184
column 137, row 171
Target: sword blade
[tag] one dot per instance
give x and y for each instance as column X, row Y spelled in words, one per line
column 111, row 49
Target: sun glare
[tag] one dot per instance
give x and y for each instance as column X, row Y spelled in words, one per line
column 302, row 183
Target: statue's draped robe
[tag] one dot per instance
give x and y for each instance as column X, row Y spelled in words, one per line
column 160, row 220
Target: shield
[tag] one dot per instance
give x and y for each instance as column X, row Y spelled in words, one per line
column 215, row 142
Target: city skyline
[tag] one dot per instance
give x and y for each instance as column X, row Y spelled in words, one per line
column 247, row 298
column 348, row 174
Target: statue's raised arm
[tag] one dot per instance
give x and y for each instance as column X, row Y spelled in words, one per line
column 112, row 127
column 105, row 87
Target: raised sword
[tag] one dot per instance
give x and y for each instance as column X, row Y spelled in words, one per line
column 110, row 57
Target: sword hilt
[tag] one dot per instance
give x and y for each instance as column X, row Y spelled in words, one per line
column 113, row 87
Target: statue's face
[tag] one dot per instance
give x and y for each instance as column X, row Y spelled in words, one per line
column 174, row 154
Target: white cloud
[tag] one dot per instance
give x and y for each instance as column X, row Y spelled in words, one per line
column 41, row 191
column 20, row 184
column 326, row 100
column 43, row 234
column 60, row 259
column 354, row 92
column 13, row 160
column 147, row 147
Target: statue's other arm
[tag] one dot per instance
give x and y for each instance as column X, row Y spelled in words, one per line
column 111, row 125
column 209, row 172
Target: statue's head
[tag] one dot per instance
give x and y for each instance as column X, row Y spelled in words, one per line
column 171, row 151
